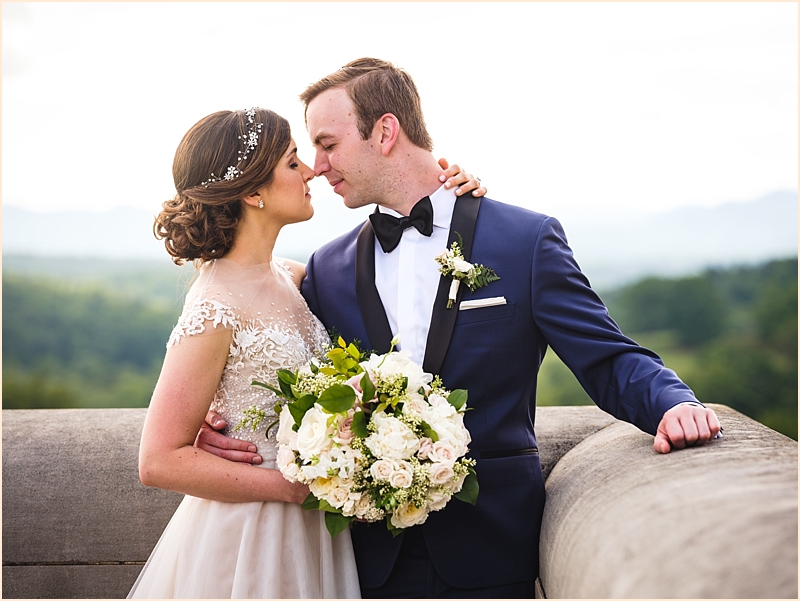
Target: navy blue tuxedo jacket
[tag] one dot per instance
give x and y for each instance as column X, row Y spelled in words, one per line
column 495, row 352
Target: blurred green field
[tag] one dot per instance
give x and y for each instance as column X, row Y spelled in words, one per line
column 82, row 335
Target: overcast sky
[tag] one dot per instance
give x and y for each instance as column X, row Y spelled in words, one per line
column 559, row 107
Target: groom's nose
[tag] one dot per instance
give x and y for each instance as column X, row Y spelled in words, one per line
column 321, row 163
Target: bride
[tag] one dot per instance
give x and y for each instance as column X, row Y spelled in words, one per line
column 240, row 531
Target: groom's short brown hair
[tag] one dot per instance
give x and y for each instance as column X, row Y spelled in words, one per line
column 377, row 87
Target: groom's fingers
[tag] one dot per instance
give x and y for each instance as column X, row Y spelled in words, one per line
column 214, row 420
column 228, row 448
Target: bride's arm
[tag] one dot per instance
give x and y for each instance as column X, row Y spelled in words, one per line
column 167, row 457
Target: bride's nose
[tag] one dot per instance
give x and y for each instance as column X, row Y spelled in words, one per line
column 308, row 172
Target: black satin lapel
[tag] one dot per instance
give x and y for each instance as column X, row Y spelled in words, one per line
column 369, row 301
column 443, row 320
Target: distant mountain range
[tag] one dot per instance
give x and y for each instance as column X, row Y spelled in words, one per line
column 612, row 247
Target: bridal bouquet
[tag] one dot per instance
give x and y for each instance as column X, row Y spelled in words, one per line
column 373, row 437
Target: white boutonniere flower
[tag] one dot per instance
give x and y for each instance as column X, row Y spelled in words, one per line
column 451, row 262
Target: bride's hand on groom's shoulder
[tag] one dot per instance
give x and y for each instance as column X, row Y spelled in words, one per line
column 216, row 443
column 466, row 182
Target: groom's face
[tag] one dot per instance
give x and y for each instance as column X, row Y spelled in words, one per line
column 347, row 161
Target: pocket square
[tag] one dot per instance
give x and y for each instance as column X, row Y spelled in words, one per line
column 482, row 302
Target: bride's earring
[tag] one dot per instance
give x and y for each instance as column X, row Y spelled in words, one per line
column 260, row 204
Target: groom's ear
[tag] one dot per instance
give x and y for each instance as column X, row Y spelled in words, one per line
column 386, row 132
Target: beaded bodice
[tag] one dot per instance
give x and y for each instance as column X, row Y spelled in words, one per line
column 271, row 328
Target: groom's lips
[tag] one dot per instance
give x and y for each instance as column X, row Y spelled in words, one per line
column 336, row 185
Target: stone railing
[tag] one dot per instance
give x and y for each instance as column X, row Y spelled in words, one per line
column 718, row 521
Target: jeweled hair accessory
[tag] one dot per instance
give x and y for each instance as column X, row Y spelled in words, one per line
column 250, row 142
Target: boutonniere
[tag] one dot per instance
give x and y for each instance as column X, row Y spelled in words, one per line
column 452, row 263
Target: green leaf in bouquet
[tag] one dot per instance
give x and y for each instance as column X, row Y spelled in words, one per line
column 286, row 379
column 297, row 413
column 284, row 375
column 359, row 425
column 428, row 431
column 311, row 502
column 299, row 407
column 336, row 522
column 277, row 391
column 457, row 398
column 341, row 342
column 313, row 367
column 305, row 402
column 353, row 351
column 469, row 491
column 337, row 398
column 329, row 371
column 368, row 388
column 335, row 352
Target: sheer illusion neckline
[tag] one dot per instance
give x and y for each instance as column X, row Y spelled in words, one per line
column 226, row 261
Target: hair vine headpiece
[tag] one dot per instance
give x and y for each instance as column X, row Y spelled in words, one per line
column 250, row 142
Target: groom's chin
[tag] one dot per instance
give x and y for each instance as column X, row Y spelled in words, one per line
column 354, row 203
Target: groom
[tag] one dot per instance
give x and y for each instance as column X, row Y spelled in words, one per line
column 381, row 280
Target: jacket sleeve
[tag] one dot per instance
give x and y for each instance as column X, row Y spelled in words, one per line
column 626, row 380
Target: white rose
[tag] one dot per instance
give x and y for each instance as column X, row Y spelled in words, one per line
column 449, row 425
column 441, row 473
column 438, row 500
column 322, row 487
column 443, row 452
column 437, row 400
column 285, row 456
column 403, row 475
column 291, row 471
column 425, row 448
column 461, row 265
column 398, row 362
column 343, row 434
column 338, row 496
column 312, row 436
column 363, row 506
column 285, row 423
column 381, row 470
column 415, row 406
column 408, row 515
column 393, row 439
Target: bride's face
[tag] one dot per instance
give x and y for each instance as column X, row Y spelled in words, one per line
column 287, row 197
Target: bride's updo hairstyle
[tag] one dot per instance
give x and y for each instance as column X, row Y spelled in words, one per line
column 222, row 159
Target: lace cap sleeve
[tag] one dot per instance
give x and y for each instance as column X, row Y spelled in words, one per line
column 195, row 316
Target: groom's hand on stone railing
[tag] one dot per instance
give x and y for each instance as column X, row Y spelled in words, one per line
column 216, row 443
column 686, row 425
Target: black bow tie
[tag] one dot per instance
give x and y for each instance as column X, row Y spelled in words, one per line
column 389, row 229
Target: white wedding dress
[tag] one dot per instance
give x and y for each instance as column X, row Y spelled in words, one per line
column 268, row 550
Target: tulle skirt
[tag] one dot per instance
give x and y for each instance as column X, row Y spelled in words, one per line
column 221, row 550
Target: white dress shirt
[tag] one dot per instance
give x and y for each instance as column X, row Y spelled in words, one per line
column 408, row 277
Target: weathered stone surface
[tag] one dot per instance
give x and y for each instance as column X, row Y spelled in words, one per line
column 558, row 429
column 719, row 521
column 69, row 582
column 71, row 490
column 620, row 521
